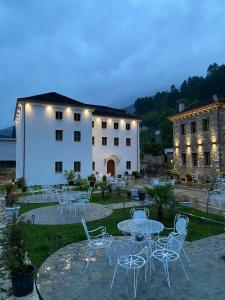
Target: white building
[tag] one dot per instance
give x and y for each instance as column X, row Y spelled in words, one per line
column 7, row 147
column 56, row 133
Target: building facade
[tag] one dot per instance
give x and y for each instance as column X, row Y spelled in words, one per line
column 8, row 147
column 56, row 133
column 199, row 140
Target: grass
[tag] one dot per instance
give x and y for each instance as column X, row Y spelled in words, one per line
column 109, row 198
column 204, row 214
column 24, row 207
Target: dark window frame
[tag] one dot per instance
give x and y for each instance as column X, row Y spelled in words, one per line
column 93, row 140
column 93, row 166
column 104, row 125
column 58, row 166
column 182, row 129
column 77, row 117
column 205, row 124
column 58, row 115
column 116, row 125
column 193, row 127
column 77, row 136
column 77, row 166
column 59, row 135
column 207, row 159
column 104, row 141
column 128, row 164
column 93, row 124
column 127, row 126
column 116, row 141
column 194, row 158
column 128, row 142
column 184, row 159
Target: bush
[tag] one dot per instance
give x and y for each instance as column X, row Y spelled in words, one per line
column 10, row 197
column 21, row 183
column 13, row 248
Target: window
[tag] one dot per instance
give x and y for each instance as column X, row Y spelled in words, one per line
column 93, row 165
column 116, row 141
column 104, row 141
column 58, row 166
column 207, row 158
column 182, row 129
column 128, row 165
column 193, row 127
column 58, row 115
column 194, row 159
column 128, row 141
column 127, row 126
column 104, row 125
column 93, row 124
column 93, row 140
column 59, row 135
column 77, row 166
column 76, row 117
column 116, row 125
column 205, row 124
column 77, row 136
column 183, row 158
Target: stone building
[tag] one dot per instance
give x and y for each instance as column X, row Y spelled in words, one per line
column 199, row 140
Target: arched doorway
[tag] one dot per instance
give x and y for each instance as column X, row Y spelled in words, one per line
column 111, row 167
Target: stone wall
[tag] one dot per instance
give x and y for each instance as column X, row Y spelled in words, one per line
column 199, row 143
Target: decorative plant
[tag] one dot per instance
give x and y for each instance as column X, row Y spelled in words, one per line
column 104, row 178
column 10, row 197
column 70, row 175
column 13, row 248
column 92, row 178
column 163, row 197
column 189, row 177
column 142, row 190
column 21, row 183
column 103, row 185
column 174, row 172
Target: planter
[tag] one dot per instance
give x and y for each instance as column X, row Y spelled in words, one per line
column 92, row 183
column 12, row 212
column 141, row 196
column 71, row 182
column 23, row 285
column 185, row 203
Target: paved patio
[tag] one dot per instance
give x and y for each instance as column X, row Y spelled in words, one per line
column 50, row 215
column 62, row 276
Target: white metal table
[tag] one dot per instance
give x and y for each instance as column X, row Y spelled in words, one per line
column 136, row 226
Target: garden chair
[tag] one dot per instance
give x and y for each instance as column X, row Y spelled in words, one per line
column 180, row 226
column 140, row 213
column 169, row 253
column 128, row 261
column 97, row 239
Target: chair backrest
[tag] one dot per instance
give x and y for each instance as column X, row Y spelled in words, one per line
column 121, row 248
column 175, row 242
column 85, row 229
column 139, row 213
column 180, row 224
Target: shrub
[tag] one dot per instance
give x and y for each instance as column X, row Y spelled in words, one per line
column 70, row 175
column 21, row 183
column 10, row 195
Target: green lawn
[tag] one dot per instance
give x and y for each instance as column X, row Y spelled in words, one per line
column 204, row 214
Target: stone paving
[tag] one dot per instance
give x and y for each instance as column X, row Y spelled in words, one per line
column 50, row 215
column 62, row 276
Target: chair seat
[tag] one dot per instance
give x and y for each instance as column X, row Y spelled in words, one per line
column 100, row 243
column 131, row 262
column 165, row 255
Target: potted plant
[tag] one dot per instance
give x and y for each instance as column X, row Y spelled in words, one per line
column 21, row 183
column 70, row 175
column 141, row 194
column 174, row 173
column 14, row 257
column 188, row 177
column 92, row 180
column 12, row 210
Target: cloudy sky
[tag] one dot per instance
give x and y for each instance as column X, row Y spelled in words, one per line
column 104, row 51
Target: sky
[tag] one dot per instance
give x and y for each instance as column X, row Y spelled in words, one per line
column 106, row 52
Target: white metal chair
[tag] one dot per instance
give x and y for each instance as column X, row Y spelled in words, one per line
column 134, row 262
column 97, row 239
column 180, row 227
column 169, row 253
column 140, row 213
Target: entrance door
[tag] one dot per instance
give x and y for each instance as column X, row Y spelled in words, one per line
column 111, row 167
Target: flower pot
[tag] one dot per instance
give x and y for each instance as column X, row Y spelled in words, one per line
column 23, row 285
column 12, row 212
column 141, row 196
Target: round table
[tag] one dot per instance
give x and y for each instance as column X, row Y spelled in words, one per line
column 137, row 226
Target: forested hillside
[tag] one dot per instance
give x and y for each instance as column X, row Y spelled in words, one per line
column 154, row 110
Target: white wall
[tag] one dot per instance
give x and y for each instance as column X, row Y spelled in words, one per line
column 19, row 142
column 7, row 149
column 126, row 153
column 42, row 150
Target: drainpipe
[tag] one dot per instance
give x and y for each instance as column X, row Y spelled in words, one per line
column 24, row 135
column 219, row 133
